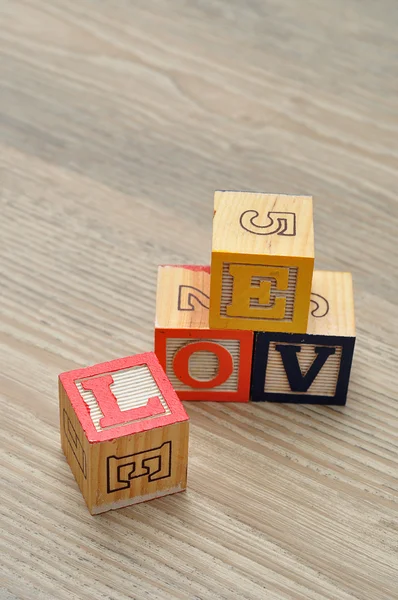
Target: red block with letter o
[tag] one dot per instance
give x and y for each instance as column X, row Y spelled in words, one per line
column 201, row 363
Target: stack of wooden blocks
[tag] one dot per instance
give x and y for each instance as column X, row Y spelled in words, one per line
column 259, row 324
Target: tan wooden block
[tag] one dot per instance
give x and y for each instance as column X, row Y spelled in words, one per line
column 332, row 304
column 183, row 296
column 202, row 363
column 315, row 367
column 124, row 432
column 262, row 261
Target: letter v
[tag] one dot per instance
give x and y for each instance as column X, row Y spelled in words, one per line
column 297, row 381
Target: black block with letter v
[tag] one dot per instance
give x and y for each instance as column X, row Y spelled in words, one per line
column 306, row 369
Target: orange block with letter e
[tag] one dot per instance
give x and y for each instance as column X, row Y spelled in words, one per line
column 262, row 262
column 124, row 432
column 202, row 364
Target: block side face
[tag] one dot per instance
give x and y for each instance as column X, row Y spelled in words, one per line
column 310, row 369
column 216, row 289
column 260, row 293
column 74, row 443
column 125, row 502
column 332, row 304
column 257, row 223
column 212, row 365
column 183, row 295
column 139, row 467
column 122, row 397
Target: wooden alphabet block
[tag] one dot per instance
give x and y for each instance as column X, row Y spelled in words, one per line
column 124, row 432
column 313, row 368
column 262, row 262
column 202, row 364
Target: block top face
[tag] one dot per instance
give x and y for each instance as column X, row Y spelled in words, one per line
column 332, row 304
column 257, row 223
column 183, row 296
column 122, row 397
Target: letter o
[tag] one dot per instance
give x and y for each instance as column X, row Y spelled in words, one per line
column 181, row 364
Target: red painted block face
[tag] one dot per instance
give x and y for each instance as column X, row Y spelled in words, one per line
column 122, row 397
column 202, row 364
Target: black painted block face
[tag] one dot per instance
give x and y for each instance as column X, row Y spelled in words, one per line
column 301, row 369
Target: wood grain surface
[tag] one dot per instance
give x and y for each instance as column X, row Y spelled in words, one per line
column 118, row 122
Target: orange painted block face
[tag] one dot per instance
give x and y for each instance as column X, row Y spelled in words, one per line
column 262, row 262
column 202, row 364
column 124, row 432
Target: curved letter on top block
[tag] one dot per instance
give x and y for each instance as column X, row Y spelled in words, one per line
column 181, row 364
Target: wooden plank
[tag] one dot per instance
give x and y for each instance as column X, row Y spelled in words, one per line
column 118, row 122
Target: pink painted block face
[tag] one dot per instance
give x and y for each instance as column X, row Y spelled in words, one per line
column 122, row 397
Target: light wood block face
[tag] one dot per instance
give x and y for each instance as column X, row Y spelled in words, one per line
column 332, row 304
column 262, row 262
column 124, row 432
column 313, row 368
column 202, row 364
column 183, row 297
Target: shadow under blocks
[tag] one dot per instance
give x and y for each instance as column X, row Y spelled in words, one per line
column 310, row 368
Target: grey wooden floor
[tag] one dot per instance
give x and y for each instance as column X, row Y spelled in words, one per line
column 118, row 121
